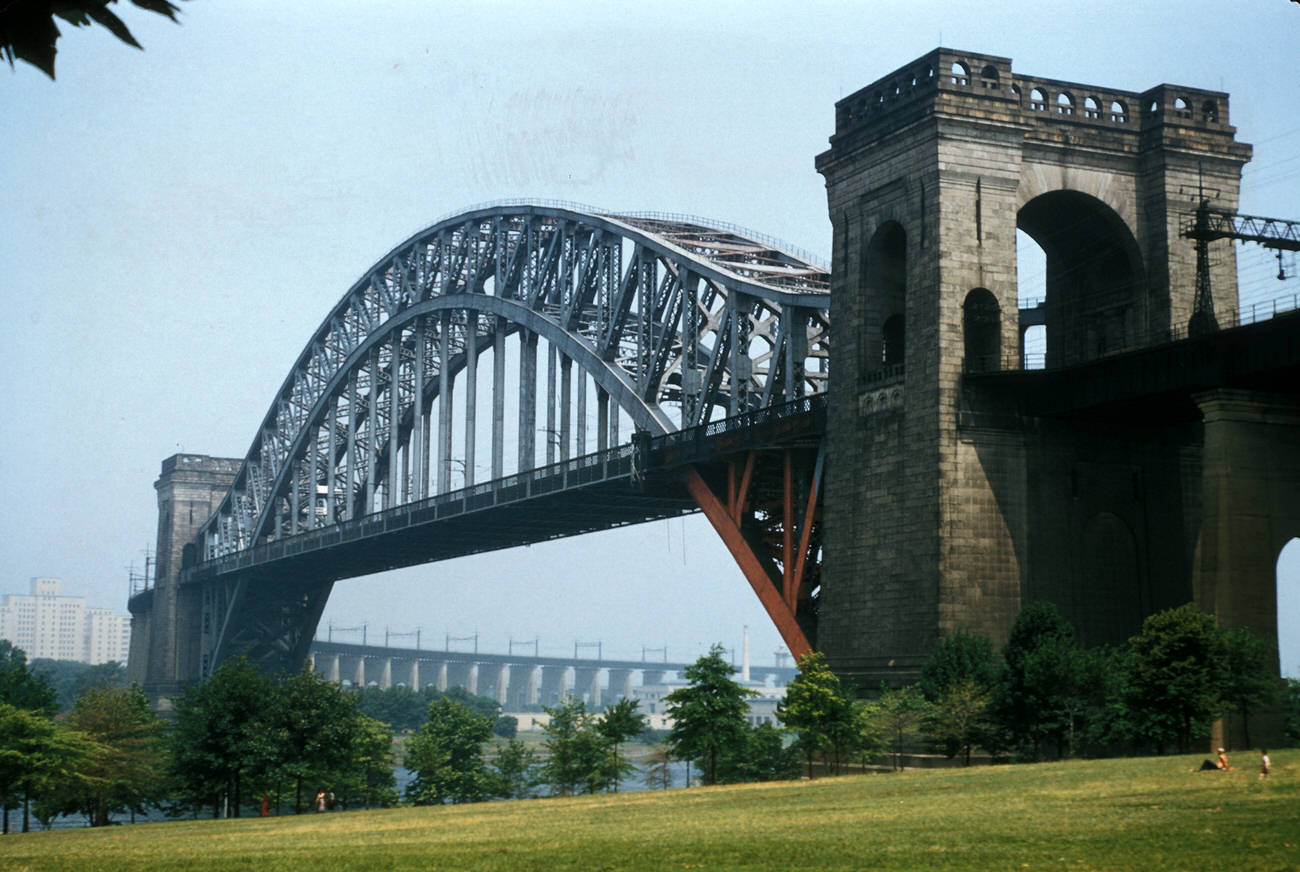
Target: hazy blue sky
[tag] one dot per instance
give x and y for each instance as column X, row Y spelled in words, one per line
column 177, row 221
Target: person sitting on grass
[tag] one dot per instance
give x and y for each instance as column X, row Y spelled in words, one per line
column 1223, row 760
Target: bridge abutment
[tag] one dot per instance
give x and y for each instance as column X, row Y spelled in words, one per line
column 949, row 507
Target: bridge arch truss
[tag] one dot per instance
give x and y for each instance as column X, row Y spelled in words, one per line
column 660, row 323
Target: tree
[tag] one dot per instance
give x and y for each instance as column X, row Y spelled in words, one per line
column 898, row 712
column 405, row 709
column 1045, row 682
column 130, row 775
column 22, row 686
column 620, row 722
column 1175, row 676
column 446, row 754
column 765, row 756
column 28, row 31
column 959, row 657
column 219, row 736
column 1291, row 710
column 658, row 771
column 708, row 715
column 367, row 775
column 39, row 758
column 958, row 720
column 514, row 771
column 577, row 755
column 869, row 739
column 308, row 729
column 72, row 679
column 1250, row 681
column 817, row 710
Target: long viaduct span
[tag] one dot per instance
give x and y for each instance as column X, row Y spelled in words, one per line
column 515, row 680
column 875, row 445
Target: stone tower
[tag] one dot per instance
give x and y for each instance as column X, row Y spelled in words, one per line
column 165, row 629
column 947, row 508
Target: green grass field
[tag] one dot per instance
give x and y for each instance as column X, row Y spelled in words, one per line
column 1141, row 814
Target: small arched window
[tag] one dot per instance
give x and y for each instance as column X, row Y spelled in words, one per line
column 982, row 331
column 1064, row 104
column 1181, row 107
column 960, row 73
column 1118, row 112
column 1037, row 102
column 1090, row 108
column 1153, row 108
column 989, row 75
column 1210, row 112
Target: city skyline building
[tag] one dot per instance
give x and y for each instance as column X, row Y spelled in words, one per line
column 46, row 624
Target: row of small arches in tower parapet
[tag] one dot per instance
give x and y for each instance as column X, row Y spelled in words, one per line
column 1040, row 98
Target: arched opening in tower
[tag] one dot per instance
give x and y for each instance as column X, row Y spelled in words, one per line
column 884, row 275
column 1093, row 283
column 982, row 331
column 1288, row 609
column 1031, row 295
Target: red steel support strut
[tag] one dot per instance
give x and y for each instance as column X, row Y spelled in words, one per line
column 774, row 561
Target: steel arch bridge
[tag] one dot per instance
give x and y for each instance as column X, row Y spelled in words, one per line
column 650, row 326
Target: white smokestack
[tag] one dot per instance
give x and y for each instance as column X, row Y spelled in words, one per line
column 744, row 658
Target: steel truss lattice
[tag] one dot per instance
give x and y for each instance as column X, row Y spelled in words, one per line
column 675, row 323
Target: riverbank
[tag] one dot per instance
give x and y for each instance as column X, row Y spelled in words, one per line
column 1127, row 814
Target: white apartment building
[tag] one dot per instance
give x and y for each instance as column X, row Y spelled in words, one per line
column 47, row 624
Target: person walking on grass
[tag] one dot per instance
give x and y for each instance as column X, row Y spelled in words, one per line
column 1263, row 763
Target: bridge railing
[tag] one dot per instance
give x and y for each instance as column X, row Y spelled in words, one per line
column 553, row 478
column 744, row 421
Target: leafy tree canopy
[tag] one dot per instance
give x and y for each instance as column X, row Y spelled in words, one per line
column 22, row 686
column 130, row 775
column 1176, row 674
column 708, row 715
column 959, row 657
column 446, row 754
column 218, row 737
column 39, row 757
column 577, row 754
column 618, row 723
column 29, row 32
column 73, row 679
column 817, row 709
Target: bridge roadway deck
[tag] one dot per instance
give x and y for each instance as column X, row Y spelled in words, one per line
column 622, row 486
column 782, row 674
column 1158, row 383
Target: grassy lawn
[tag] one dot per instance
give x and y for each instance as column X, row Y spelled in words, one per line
column 1143, row 814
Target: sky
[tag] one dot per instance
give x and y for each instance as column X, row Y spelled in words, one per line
column 177, row 221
